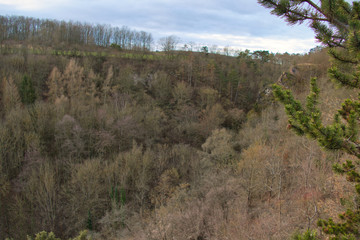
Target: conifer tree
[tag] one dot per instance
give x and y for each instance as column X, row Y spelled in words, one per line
column 73, row 80
column 70, row 84
column 54, row 84
column 336, row 24
column 27, row 91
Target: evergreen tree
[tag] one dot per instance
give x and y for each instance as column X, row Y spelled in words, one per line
column 89, row 221
column 27, row 91
column 336, row 24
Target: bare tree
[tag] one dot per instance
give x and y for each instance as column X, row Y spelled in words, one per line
column 168, row 44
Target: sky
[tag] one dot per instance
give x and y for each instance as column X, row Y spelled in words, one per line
column 238, row 24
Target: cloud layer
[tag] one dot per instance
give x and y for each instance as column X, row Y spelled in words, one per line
column 241, row 24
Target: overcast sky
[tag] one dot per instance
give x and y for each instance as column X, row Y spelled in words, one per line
column 241, row 24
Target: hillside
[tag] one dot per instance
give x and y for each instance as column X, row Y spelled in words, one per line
column 134, row 144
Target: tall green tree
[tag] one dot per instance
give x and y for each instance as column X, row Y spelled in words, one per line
column 27, row 91
column 336, row 24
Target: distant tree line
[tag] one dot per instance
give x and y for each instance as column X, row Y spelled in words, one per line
column 50, row 32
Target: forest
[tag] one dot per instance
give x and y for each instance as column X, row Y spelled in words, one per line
column 102, row 138
column 60, row 33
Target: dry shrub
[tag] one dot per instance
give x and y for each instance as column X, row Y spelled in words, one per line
column 10, row 95
column 212, row 117
column 68, row 137
column 220, row 147
column 208, row 96
column 182, row 93
column 42, row 191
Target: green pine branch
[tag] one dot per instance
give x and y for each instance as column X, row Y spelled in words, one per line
column 336, row 24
